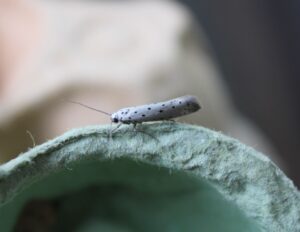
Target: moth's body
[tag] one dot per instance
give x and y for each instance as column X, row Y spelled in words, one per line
column 157, row 111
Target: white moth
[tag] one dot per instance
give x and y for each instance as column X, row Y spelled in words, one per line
column 153, row 112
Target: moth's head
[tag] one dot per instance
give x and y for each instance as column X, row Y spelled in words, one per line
column 115, row 118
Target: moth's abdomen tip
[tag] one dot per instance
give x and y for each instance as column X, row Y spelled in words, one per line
column 193, row 101
column 196, row 106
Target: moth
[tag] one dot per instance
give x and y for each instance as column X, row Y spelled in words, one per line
column 160, row 111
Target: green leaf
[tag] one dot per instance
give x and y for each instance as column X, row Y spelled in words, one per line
column 162, row 177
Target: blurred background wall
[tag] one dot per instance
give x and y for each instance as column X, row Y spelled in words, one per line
column 239, row 57
column 256, row 44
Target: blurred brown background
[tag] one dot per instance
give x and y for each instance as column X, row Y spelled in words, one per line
column 239, row 57
column 256, row 44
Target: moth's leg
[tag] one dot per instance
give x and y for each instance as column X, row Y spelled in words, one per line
column 172, row 120
column 134, row 126
column 111, row 131
column 141, row 131
column 117, row 127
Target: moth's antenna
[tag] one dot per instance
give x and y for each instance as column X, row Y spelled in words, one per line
column 78, row 103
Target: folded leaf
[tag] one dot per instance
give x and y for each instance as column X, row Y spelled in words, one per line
column 160, row 177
